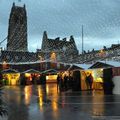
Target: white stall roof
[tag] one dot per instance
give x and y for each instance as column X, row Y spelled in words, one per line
column 84, row 66
column 113, row 63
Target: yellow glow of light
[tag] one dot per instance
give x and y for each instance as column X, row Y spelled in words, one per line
column 27, row 74
column 40, row 101
column 47, row 89
column 54, row 106
column 101, row 51
column 39, row 92
column 47, row 77
column 12, row 78
column 65, row 73
column 53, row 56
column 4, row 62
column 40, row 98
column 27, row 95
column 99, row 80
column 51, row 77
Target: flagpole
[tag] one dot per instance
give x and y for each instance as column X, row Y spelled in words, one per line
column 82, row 40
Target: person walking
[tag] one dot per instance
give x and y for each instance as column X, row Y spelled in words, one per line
column 89, row 81
column 65, row 82
column 58, row 82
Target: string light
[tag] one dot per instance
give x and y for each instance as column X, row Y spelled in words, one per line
column 67, row 55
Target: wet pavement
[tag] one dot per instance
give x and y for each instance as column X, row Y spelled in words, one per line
column 45, row 103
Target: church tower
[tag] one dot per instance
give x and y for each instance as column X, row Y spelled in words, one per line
column 44, row 41
column 17, row 30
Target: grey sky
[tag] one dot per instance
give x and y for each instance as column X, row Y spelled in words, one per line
column 62, row 18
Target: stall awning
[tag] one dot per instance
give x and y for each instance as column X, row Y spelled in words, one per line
column 31, row 71
column 74, row 67
column 100, row 65
column 9, row 71
column 50, row 71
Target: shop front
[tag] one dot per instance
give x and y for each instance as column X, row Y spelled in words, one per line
column 95, row 81
column 51, row 78
column 50, row 75
column 29, row 77
column 10, row 77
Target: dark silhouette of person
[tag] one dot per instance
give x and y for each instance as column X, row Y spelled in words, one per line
column 89, row 81
column 22, row 79
column 43, row 79
column 33, row 79
column 65, row 82
column 58, row 82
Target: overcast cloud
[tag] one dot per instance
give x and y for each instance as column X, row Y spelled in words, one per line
column 62, row 18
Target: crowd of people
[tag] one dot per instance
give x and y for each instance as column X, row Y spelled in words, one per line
column 68, row 82
column 64, row 82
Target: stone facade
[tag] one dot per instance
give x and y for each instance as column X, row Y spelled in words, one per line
column 58, row 50
column 17, row 31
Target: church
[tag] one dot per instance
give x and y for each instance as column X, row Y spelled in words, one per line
column 17, row 43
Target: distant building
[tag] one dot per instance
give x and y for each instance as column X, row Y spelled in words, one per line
column 17, row 31
column 56, row 49
column 17, row 57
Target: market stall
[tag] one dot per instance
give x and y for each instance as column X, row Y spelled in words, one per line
column 30, row 76
column 97, row 79
column 11, row 77
column 51, row 75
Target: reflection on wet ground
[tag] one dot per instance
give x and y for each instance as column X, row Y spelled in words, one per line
column 44, row 102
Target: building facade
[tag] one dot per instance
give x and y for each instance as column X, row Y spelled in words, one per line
column 58, row 50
